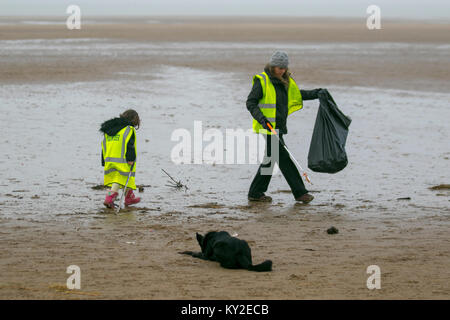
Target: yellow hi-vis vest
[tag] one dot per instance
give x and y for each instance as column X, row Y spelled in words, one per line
column 114, row 150
column 268, row 102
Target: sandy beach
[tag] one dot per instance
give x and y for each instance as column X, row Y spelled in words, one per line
column 57, row 86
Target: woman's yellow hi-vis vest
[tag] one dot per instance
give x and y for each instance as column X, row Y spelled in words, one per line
column 267, row 104
column 114, row 149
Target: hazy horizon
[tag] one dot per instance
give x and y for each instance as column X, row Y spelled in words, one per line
column 400, row 9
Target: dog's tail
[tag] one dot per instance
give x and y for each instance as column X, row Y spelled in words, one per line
column 265, row 266
column 262, row 267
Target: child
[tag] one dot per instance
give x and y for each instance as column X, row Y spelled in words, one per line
column 119, row 155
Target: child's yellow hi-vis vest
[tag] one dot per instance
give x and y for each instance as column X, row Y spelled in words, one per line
column 114, row 149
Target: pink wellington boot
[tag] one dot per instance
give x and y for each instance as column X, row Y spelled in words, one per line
column 109, row 199
column 130, row 198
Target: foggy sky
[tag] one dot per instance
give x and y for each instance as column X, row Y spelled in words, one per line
column 407, row 9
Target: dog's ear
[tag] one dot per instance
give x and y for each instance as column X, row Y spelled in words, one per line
column 199, row 239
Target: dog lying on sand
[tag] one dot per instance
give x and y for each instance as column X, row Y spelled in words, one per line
column 230, row 252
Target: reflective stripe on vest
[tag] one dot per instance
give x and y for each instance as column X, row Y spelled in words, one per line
column 263, row 75
column 116, row 160
column 125, row 136
column 267, row 103
column 133, row 174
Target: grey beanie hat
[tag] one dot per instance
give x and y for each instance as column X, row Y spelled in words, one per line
column 279, row 59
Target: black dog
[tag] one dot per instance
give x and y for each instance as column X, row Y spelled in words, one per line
column 230, row 252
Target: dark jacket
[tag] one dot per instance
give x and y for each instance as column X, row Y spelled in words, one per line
column 282, row 101
column 112, row 127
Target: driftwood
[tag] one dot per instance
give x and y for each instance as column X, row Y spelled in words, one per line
column 175, row 184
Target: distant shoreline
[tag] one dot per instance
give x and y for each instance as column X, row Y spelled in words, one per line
column 249, row 18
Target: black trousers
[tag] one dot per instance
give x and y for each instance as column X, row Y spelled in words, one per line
column 290, row 172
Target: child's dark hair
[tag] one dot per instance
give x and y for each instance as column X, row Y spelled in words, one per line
column 133, row 117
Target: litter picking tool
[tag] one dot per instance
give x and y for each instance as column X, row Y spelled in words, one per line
column 303, row 172
column 125, row 188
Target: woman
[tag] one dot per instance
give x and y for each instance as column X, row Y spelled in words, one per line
column 273, row 97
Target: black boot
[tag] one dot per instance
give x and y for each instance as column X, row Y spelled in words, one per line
column 262, row 198
column 306, row 198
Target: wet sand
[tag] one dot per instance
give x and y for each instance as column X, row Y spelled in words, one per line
column 409, row 68
column 134, row 256
column 57, row 86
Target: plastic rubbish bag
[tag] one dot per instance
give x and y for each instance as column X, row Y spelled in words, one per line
column 327, row 148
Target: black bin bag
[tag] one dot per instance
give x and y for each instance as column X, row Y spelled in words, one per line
column 327, row 149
